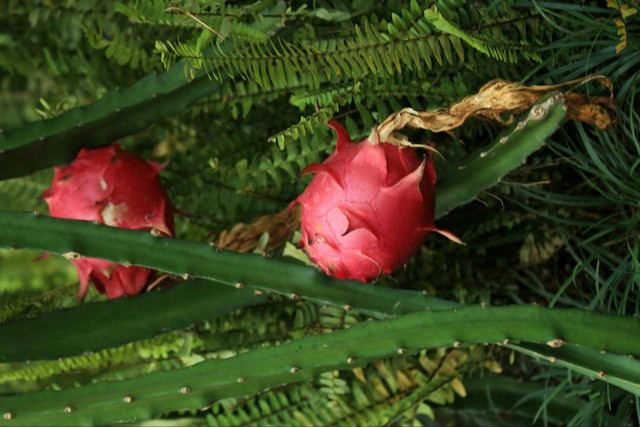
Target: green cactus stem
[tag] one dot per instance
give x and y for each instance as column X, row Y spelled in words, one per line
column 621, row 371
column 117, row 114
column 506, row 154
column 257, row 370
column 73, row 238
column 182, row 305
column 180, row 257
column 95, row 326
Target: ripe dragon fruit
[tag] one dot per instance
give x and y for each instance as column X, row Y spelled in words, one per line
column 368, row 208
column 114, row 187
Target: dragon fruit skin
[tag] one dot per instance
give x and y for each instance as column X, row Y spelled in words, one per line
column 368, row 208
column 114, row 187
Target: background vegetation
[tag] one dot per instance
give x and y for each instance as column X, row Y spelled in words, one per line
column 234, row 98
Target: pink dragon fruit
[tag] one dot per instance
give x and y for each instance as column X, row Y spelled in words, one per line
column 116, row 188
column 368, row 208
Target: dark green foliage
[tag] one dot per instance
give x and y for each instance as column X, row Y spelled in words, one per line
column 234, row 97
column 499, row 399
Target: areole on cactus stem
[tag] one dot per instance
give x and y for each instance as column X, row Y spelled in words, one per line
column 369, row 207
column 114, row 187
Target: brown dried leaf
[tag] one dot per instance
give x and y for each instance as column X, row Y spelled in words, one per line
column 245, row 237
column 498, row 98
column 537, row 251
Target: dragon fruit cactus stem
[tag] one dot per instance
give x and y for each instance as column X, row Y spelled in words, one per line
column 114, row 187
column 368, row 209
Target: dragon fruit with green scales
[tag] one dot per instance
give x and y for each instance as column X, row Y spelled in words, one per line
column 114, row 187
column 368, row 209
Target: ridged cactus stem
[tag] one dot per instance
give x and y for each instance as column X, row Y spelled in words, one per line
column 81, row 238
column 57, row 141
column 254, row 371
column 621, row 371
column 506, row 154
column 96, row 326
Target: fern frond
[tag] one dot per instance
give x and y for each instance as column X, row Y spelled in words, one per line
column 374, row 395
column 12, row 307
column 372, row 100
column 123, row 49
column 307, row 124
column 218, row 206
column 155, row 12
column 155, row 348
column 408, row 43
column 240, row 97
column 493, row 46
column 24, row 193
column 277, row 167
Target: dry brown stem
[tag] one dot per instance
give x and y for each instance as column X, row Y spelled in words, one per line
column 498, row 98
